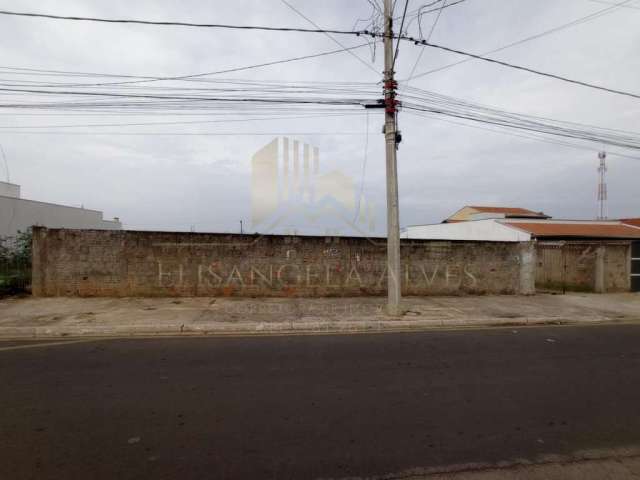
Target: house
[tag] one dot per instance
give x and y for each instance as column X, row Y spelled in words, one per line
column 570, row 230
column 631, row 221
column 484, row 212
column 17, row 214
column 584, row 255
column 524, row 230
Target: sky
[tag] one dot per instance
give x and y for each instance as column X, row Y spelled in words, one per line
column 181, row 177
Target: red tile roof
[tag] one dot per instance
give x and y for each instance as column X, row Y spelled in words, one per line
column 570, row 229
column 631, row 221
column 507, row 210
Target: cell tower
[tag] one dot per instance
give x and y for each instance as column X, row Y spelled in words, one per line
column 602, row 185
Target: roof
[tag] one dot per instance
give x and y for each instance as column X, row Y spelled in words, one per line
column 508, row 210
column 631, row 221
column 577, row 229
column 483, row 212
column 488, row 230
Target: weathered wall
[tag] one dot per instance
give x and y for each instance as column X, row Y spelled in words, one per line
column 578, row 266
column 132, row 263
column 19, row 214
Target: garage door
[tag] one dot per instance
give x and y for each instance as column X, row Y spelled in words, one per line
column 635, row 267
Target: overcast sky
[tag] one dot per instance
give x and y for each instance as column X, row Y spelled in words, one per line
column 178, row 181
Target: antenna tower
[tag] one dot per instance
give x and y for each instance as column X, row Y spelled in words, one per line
column 602, row 185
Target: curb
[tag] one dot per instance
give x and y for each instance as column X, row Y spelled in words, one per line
column 290, row 327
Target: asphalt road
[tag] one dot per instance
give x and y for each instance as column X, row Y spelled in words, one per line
column 314, row 406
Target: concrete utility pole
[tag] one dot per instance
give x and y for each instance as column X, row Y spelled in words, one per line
column 390, row 134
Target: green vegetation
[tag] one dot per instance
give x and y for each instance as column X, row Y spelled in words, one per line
column 15, row 263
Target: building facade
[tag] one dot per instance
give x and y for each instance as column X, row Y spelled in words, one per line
column 580, row 255
column 18, row 214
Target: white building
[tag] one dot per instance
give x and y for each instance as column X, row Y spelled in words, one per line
column 523, row 230
column 486, row 230
column 18, row 214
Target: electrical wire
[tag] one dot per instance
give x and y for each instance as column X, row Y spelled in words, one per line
column 291, row 100
column 418, row 12
column 404, row 15
column 203, row 134
column 444, row 100
column 6, row 163
column 337, row 42
column 519, row 67
column 192, row 122
column 273, row 100
column 345, row 32
column 176, row 24
column 549, row 129
column 578, row 21
column 536, row 138
column 433, row 26
column 364, row 169
column 219, row 72
column 609, row 3
column 425, row 101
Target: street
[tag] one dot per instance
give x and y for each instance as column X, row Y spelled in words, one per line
column 317, row 406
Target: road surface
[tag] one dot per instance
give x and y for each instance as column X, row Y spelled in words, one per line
column 315, row 406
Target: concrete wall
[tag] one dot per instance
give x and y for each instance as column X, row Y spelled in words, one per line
column 9, row 190
column 18, row 214
column 131, row 263
column 587, row 266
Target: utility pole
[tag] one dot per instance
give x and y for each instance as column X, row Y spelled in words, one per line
column 390, row 134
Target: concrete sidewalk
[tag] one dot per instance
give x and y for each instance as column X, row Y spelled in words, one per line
column 73, row 317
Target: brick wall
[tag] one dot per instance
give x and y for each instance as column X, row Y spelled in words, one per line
column 132, row 263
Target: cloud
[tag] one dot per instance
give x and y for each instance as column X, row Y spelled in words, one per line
column 179, row 181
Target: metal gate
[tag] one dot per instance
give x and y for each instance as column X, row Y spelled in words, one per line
column 635, row 266
column 565, row 266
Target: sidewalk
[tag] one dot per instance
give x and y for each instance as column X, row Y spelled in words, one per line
column 72, row 317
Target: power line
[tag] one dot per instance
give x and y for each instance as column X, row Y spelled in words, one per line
column 364, row 169
column 440, row 99
column 366, row 64
column 433, row 26
column 519, row 67
column 204, row 134
column 404, row 14
column 6, row 164
column 178, row 24
column 508, row 120
column 418, row 12
column 270, row 86
column 530, row 136
column 343, row 32
column 609, row 3
column 450, row 106
column 443, row 101
column 578, row 21
column 192, row 122
column 219, row 72
column 194, row 98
